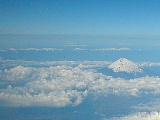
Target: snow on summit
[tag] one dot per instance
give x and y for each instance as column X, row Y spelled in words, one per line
column 124, row 65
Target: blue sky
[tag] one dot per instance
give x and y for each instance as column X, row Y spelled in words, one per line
column 93, row 17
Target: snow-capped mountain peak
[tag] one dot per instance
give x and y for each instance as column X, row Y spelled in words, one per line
column 125, row 65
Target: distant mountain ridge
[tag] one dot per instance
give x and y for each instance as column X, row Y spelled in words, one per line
column 125, row 65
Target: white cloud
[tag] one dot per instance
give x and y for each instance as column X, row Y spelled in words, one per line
column 31, row 49
column 149, row 64
column 154, row 105
column 41, row 96
column 55, row 49
column 113, row 49
column 79, row 49
column 2, row 50
column 66, row 83
column 139, row 116
column 16, row 73
column 54, row 86
column 134, row 87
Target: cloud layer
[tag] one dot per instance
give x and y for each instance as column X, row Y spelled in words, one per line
column 60, row 84
column 31, row 49
column 139, row 116
column 113, row 49
column 56, row 49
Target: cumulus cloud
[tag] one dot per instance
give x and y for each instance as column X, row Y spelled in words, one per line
column 139, row 116
column 54, row 86
column 16, row 73
column 64, row 83
column 134, row 87
column 29, row 96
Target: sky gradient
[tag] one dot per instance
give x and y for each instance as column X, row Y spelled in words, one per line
column 86, row 17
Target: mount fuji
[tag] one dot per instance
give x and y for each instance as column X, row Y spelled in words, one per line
column 125, row 65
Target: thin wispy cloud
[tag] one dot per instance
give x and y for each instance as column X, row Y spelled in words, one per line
column 79, row 49
column 112, row 49
column 31, row 49
column 139, row 116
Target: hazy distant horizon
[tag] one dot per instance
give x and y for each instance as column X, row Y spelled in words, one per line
column 61, row 39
